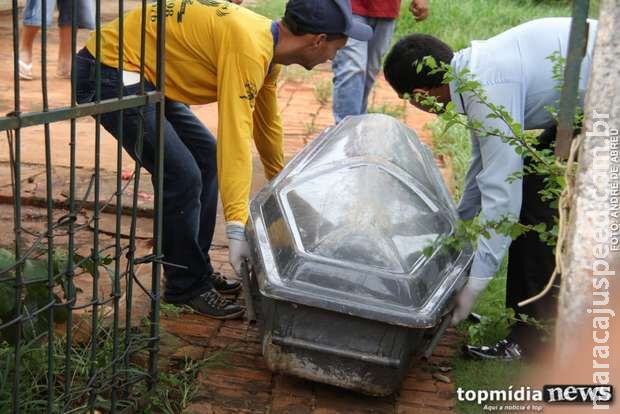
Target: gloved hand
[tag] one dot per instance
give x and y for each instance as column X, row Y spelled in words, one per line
column 467, row 297
column 238, row 247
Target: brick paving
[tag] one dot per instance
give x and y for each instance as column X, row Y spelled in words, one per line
column 243, row 384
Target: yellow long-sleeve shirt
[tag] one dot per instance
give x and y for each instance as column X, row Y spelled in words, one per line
column 215, row 51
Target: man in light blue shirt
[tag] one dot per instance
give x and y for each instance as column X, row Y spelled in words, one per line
column 515, row 72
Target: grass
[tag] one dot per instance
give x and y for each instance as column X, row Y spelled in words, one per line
column 458, row 22
column 176, row 386
column 274, row 9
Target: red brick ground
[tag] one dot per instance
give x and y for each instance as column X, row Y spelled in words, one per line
column 245, row 385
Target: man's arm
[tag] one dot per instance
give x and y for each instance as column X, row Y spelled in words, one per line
column 499, row 196
column 469, row 206
column 268, row 126
column 239, row 79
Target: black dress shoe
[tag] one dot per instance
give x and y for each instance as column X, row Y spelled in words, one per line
column 213, row 305
column 504, row 350
column 474, row 318
column 223, row 285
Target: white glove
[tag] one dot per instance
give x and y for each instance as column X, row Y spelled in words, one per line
column 238, row 247
column 466, row 298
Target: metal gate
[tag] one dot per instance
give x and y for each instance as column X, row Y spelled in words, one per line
column 44, row 368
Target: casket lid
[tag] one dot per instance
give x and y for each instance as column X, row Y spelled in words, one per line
column 343, row 226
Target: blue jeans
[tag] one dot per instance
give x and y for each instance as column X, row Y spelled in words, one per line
column 85, row 13
column 190, row 176
column 356, row 67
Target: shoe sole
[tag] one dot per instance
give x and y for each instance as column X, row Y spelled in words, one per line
column 483, row 357
column 234, row 315
column 229, row 291
column 222, row 317
column 225, row 317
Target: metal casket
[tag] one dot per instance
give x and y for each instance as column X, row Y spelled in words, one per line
column 344, row 294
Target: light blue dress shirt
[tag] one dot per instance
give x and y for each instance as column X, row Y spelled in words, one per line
column 515, row 72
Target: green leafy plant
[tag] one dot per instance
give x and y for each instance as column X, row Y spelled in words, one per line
column 36, row 294
column 496, row 326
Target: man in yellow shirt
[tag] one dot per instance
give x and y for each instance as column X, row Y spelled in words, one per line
column 215, row 52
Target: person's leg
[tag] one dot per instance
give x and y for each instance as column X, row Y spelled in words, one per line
column 63, row 69
column 31, row 24
column 349, row 67
column 85, row 20
column 531, row 261
column 202, row 145
column 29, row 33
column 182, row 192
column 377, row 46
column 182, row 187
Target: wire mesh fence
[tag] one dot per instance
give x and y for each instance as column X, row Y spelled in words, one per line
column 67, row 344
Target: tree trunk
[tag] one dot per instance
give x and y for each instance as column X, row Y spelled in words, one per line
column 593, row 204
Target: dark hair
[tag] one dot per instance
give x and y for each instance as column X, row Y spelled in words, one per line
column 400, row 66
column 291, row 24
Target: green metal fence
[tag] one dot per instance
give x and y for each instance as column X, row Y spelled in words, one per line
column 42, row 368
column 577, row 46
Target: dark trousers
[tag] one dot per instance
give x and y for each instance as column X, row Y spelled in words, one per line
column 190, row 176
column 531, row 261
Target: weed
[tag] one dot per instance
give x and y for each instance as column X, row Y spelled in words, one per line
column 176, row 389
column 310, row 128
column 323, row 91
column 173, row 311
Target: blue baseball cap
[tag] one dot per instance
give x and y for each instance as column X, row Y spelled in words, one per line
column 326, row 16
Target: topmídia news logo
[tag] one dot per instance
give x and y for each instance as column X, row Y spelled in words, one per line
column 578, row 394
column 526, row 398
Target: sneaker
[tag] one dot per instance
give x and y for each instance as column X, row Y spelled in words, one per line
column 223, row 285
column 213, row 305
column 504, row 350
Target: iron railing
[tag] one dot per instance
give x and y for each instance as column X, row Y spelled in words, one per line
column 42, row 368
column 577, row 46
